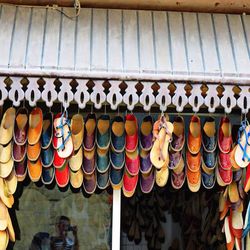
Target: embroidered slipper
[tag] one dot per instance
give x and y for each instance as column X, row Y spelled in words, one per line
column 6, row 168
column 47, row 130
column 233, row 192
column 21, row 169
column 89, row 132
column 19, row 152
column 64, row 143
column 48, row 175
column 147, row 181
column 90, row 183
column 103, row 136
column 3, row 216
column 129, row 184
column 33, row 151
column 131, row 129
column 6, row 198
column 76, row 178
column 77, row 129
column 118, row 134
column 47, row 156
column 5, row 152
column 237, row 224
column 162, row 175
column 62, row 175
column 178, row 180
column 76, row 160
column 116, row 178
column 7, row 126
column 89, row 162
column 21, row 126
column 209, row 135
column 103, row 180
column 34, row 169
column 232, row 158
column 146, row 134
column 225, row 135
column 102, row 160
column 178, row 140
column 132, row 162
column 145, row 162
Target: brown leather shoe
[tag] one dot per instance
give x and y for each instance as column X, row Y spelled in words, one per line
column 193, row 161
column 194, row 135
column 35, row 126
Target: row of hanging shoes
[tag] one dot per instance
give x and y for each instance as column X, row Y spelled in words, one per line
column 99, row 152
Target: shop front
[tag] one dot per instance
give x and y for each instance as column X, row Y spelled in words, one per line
column 114, row 106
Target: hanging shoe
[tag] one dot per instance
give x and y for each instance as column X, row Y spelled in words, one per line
column 34, row 169
column 89, row 162
column 194, row 135
column 208, row 180
column 178, row 180
column 145, row 162
column 103, row 136
column 178, row 139
column 89, row 132
column 225, row 135
column 209, row 139
column 102, row 160
column 76, row 160
column 116, row 178
column 34, row 151
column 11, row 182
column 103, row 180
column 90, row 183
column 47, row 156
column 35, row 126
column 77, row 130
column 3, row 216
column 47, row 131
column 117, row 159
column 132, row 162
column 5, row 152
column 19, row 152
column 146, row 133
column 7, row 126
column 129, row 184
column 48, row 175
column 147, row 181
column 6, row 168
column 62, row 175
column 131, row 128
column 7, row 199
column 21, row 126
column 76, row 178
column 21, row 169
column 162, row 176
column 118, row 134
column 193, row 180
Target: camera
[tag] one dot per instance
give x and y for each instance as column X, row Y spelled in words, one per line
column 70, row 228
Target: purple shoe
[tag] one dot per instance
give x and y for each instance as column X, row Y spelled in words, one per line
column 89, row 183
column 88, row 162
column 178, row 136
column 89, row 132
column 146, row 133
column 145, row 162
column 21, row 126
column 147, row 181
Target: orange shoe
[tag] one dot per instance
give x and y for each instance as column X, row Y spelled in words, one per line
column 194, row 135
column 35, row 126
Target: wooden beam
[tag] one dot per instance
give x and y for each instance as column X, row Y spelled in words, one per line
column 223, row 6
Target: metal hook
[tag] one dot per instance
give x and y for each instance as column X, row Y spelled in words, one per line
column 91, row 108
column 118, row 110
column 105, row 108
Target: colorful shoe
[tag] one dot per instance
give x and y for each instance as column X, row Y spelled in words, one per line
column 129, row 184
column 162, row 175
column 21, row 169
column 193, row 180
column 48, row 175
column 90, row 183
column 34, row 170
column 47, row 156
column 62, row 175
column 58, row 162
column 146, row 133
column 131, row 128
column 34, row 151
column 7, row 126
column 147, row 181
column 224, row 161
column 132, row 162
column 18, row 152
column 11, row 182
column 76, row 160
column 89, row 132
column 102, row 160
column 8, row 200
column 5, row 152
column 176, row 162
column 47, row 131
column 35, row 126
column 21, row 126
column 208, row 181
column 88, row 162
column 225, row 135
column 193, row 161
column 77, row 130
column 209, row 159
column 115, row 178
column 118, row 134
column 6, row 168
column 194, row 135
column 145, row 162
column 177, row 180
column 224, row 177
column 178, row 139
column 103, row 132
column 76, row 178
column 117, row 159
column 209, row 139
column 103, row 180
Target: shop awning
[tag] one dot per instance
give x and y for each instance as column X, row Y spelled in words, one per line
column 125, row 44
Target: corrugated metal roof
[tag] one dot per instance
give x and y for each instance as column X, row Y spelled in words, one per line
column 125, row 44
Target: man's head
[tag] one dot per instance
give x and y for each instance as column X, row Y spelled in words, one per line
column 63, row 224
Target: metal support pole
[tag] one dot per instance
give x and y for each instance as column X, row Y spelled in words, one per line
column 116, row 220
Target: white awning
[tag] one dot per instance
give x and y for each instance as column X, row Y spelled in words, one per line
column 125, row 44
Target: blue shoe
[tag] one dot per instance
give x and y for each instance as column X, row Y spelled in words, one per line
column 48, row 175
column 102, row 160
column 103, row 132
column 117, row 159
column 47, row 156
column 103, row 180
column 47, row 132
column 115, row 177
column 118, row 134
column 209, row 139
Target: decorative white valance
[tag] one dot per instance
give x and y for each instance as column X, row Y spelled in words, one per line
column 129, row 93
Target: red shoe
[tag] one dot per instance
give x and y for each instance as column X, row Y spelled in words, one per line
column 224, row 161
column 225, row 136
column 132, row 162
column 224, row 177
column 62, row 175
column 129, row 184
column 131, row 128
